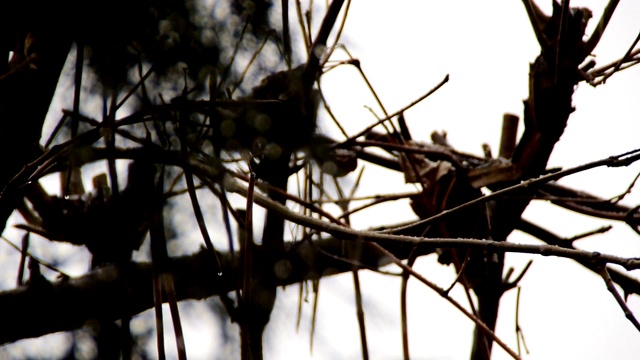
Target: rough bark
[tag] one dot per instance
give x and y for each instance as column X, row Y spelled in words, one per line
column 552, row 79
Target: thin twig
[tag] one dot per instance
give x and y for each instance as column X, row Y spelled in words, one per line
column 389, row 117
column 629, row 284
column 227, row 69
column 56, row 130
column 623, row 305
column 135, row 87
column 305, row 37
column 287, row 196
column 616, row 199
column 378, row 197
column 612, row 161
column 301, row 286
column 459, row 275
column 403, row 304
column 619, row 63
column 286, row 33
column 443, row 294
column 24, row 253
column 510, row 284
column 331, row 115
column 600, row 230
column 537, row 19
column 360, row 314
column 519, row 332
column 316, row 289
column 489, row 245
column 342, row 23
column 188, row 176
column 175, row 316
column 253, row 58
column 349, row 261
column 344, row 206
column 247, row 261
column 160, row 260
column 632, row 60
column 602, row 25
column 312, row 68
column 157, row 305
column 110, row 140
column 36, row 259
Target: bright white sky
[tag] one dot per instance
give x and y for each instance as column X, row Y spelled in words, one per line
column 406, row 48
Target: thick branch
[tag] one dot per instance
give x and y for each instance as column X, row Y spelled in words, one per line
column 110, row 293
column 25, row 94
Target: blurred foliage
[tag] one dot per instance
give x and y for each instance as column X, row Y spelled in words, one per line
column 181, row 40
column 170, row 35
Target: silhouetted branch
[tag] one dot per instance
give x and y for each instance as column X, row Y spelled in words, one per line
column 623, row 305
column 384, row 238
column 594, row 39
column 629, row 284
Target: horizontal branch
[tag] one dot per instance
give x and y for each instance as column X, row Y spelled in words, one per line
column 345, row 233
column 111, row 292
column 107, row 293
column 628, row 283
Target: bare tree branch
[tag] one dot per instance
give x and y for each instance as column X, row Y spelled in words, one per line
column 600, row 28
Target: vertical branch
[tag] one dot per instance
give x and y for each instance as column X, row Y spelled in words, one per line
column 355, row 253
column 319, row 45
column 159, row 259
column 175, row 317
column 315, row 283
column 286, row 34
column 162, row 277
column 552, row 80
column 594, row 39
column 27, row 88
column 188, row 176
column 619, row 299
column 77, row 89
column 276, row 171
column 247, row 259
column 508, row 135
column 27, row 85
column 227, row 69
column 72, row 175
column 360, row 314
column 157, row 306
column 519, row 332
column 251, row 61
column 265, row 258
column 538, row 21
column 403, row 305
column 24, row 252
column 306, row 38
column 110, row 141
column 562, row 38
column 342, row 23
